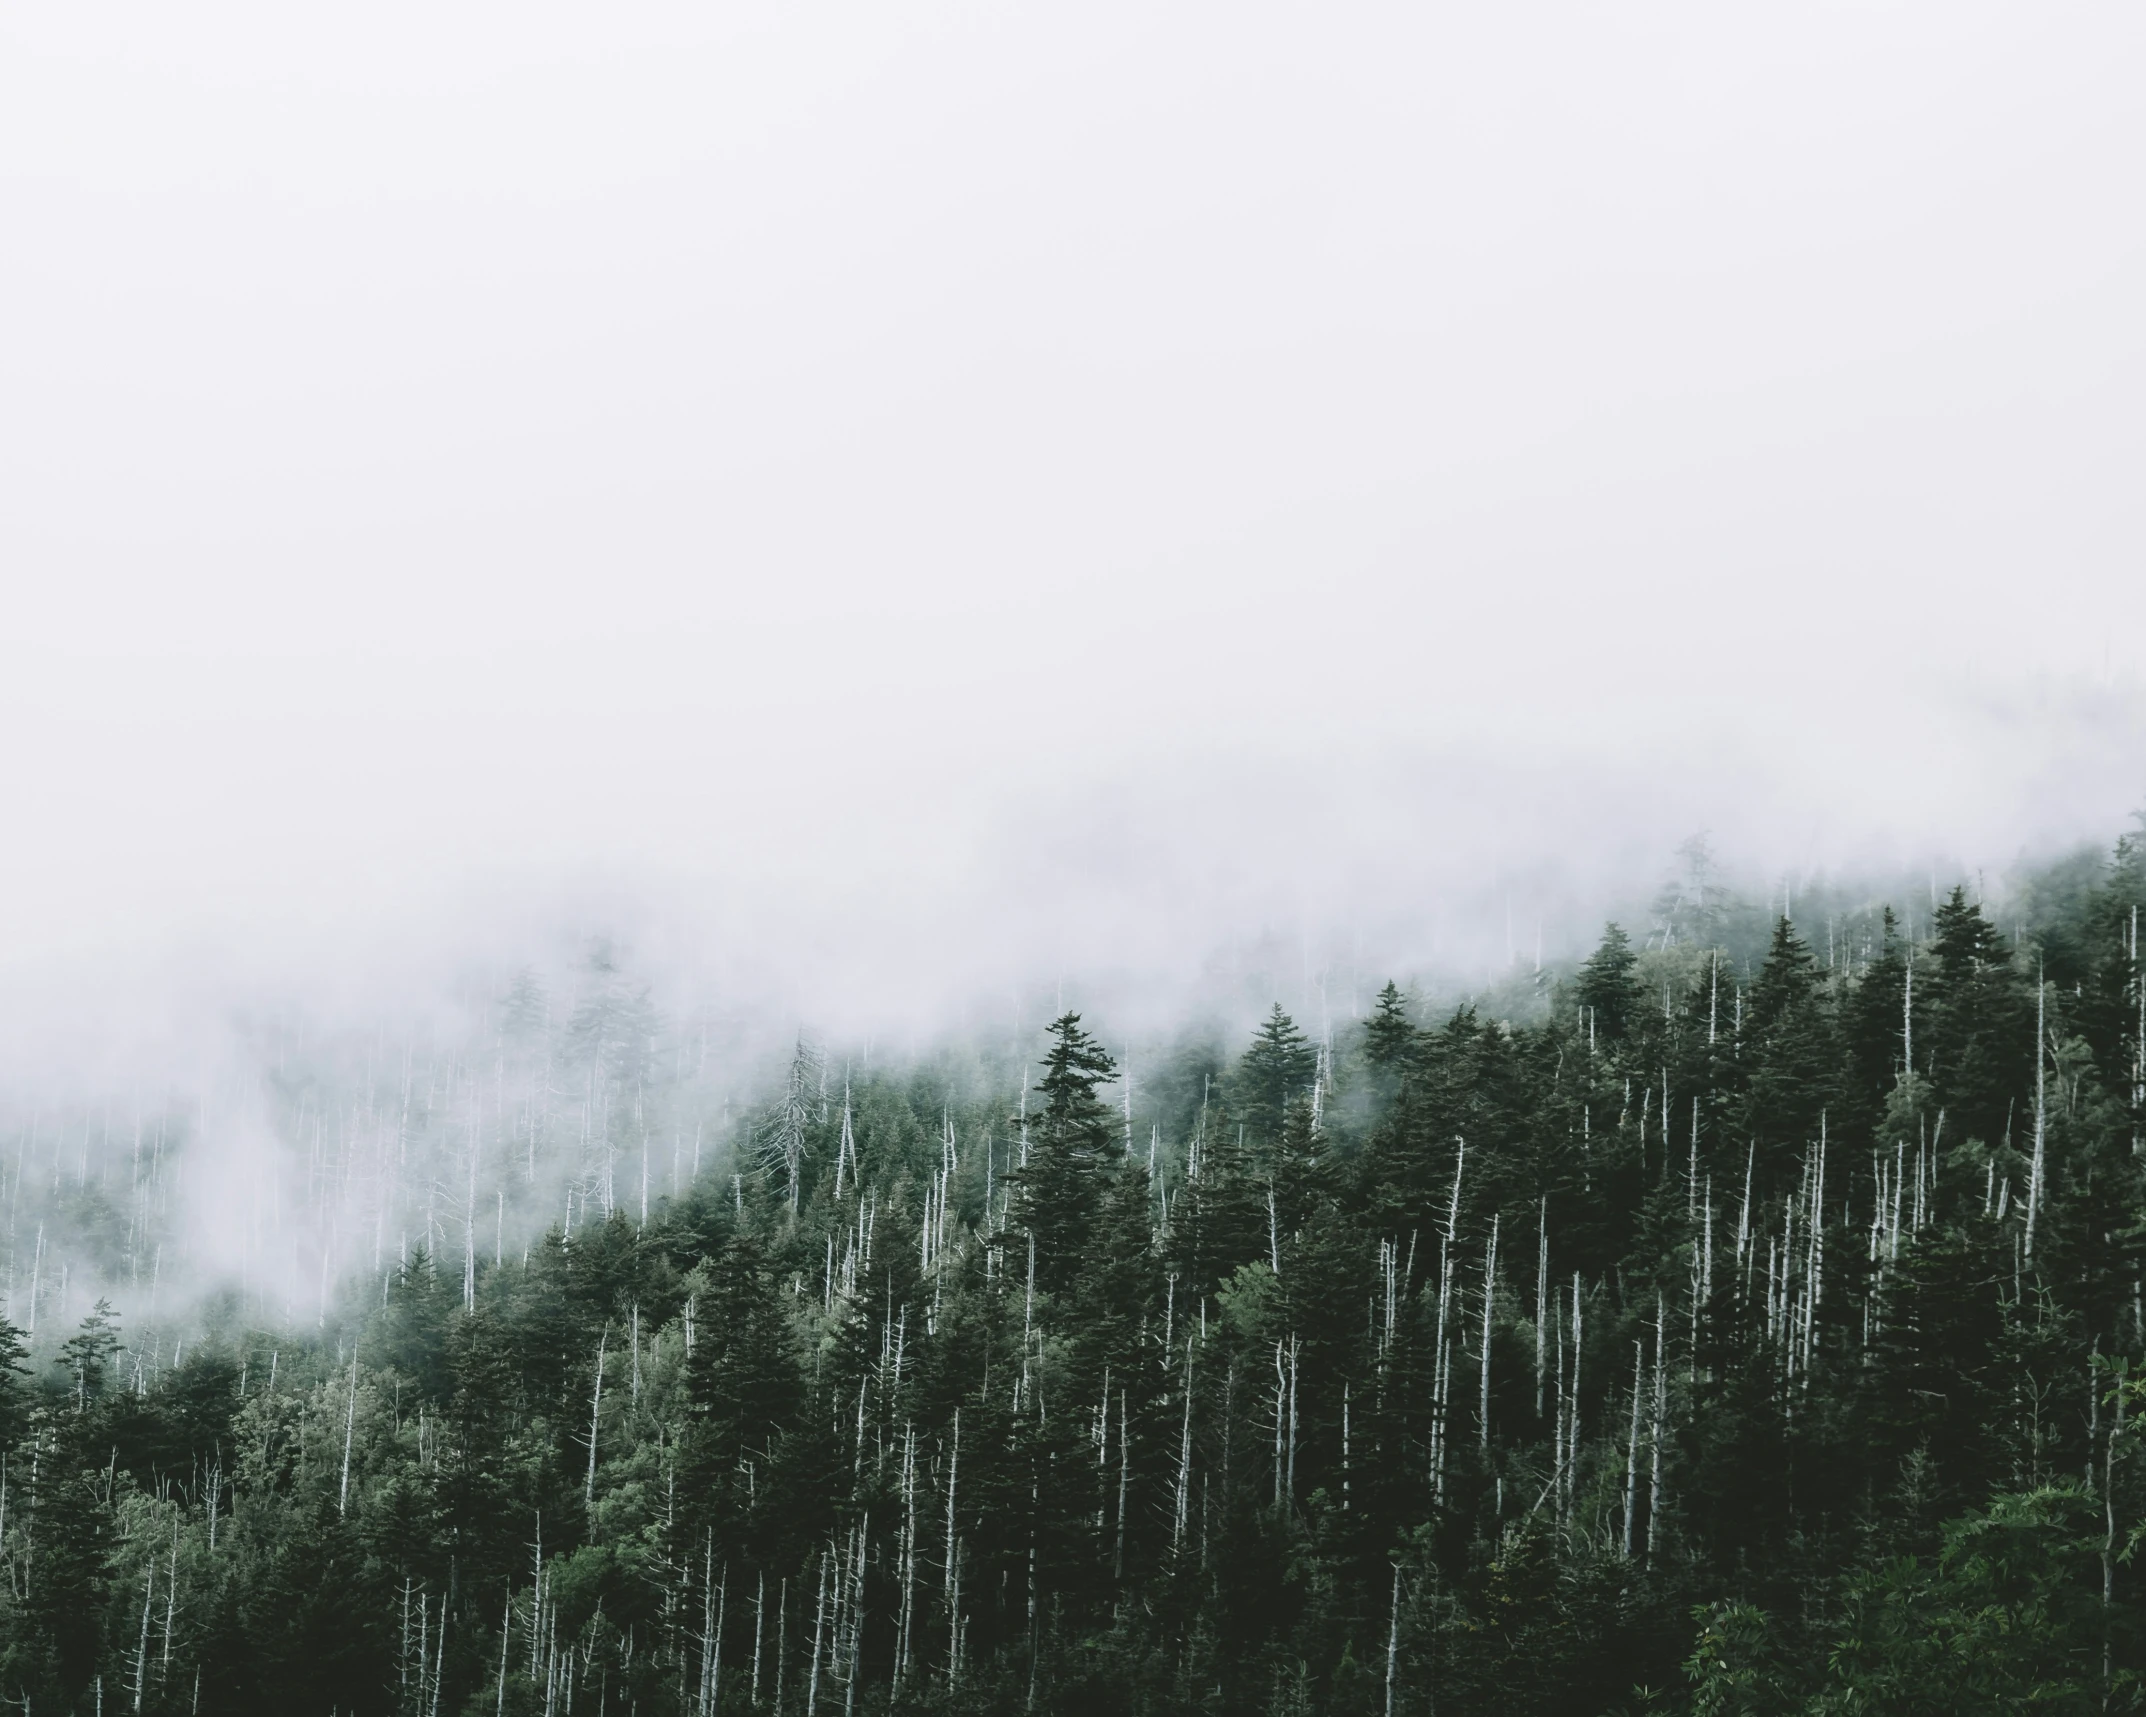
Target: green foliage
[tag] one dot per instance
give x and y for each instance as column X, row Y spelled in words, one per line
column 1978, row 1044
column 1072, row 1141
column 1275, row 1429
column 2007, row 1617
column 14, row 1397
column 1736, row 1666
column 1388, row 1036
column 1789, row 1038
column 86, row 1357
column 1607, row 989
column 1275, row 1073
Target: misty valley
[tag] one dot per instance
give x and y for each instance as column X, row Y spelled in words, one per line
column 1747, row 1318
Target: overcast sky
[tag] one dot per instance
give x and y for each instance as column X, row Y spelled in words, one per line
column 1040, row 475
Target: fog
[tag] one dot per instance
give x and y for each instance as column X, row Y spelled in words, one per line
column 885, row 511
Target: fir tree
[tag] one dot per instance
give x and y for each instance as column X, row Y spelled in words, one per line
column 14, row 1396
column 1607, row 989
column 86, row 1357
column 1389, row 1037
column 1074, row 1141
column 742, row 1378
column 1275, row 1071
column 1874, row 1034
column 1788, row 1032
column 1980, row 1048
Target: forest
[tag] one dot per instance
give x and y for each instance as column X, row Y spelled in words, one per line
column 1747, row 1318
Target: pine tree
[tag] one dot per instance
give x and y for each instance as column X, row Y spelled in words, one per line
column 1275, row 1071
column 1218, row 1220
column 1607, row 990
column 410, row 1335
column 1874, row 1035
column 1300, row 1172
column 14, row 1396
column 1789, row 1038
column 1980, row 1048
column 86, row 1357
column 743, row 1384
column 1073, row 1140
column 1389, row 1037
column 2113, row 954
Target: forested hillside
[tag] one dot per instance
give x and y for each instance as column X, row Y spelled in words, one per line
column 1751, row 1322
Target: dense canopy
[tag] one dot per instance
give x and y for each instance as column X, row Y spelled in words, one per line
column 1748, row 1321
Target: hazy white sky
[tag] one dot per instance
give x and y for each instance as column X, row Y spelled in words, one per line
column 890, row 468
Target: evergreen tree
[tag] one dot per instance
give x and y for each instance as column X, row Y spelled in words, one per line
column 1607, row 989
column 1788, row 1033
column 410, row 1338
column 1389, row 1037
column 1285, row 1432
column 744, row 1388
column 86, row 1357
column 1218, row 1220
column 1073, row 1141
column 1275, row 1071
column 1300, row 1173
column 14, row 1396
column 1980, row 1038
column 1874, row 1035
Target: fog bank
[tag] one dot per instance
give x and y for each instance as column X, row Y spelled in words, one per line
column 881, row 515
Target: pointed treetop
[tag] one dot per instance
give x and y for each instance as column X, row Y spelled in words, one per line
column 1074, row 1066
column 1276, row 1070
column 1388, row 1035
column 1606, row 984
column 1966, row 940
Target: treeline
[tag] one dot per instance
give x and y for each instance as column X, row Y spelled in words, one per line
column 1735, row 1334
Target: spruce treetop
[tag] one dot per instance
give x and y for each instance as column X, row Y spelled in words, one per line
column 1277, row 1069
column 1075, row 1065
column 1388, row 1035
column 1607, row 986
